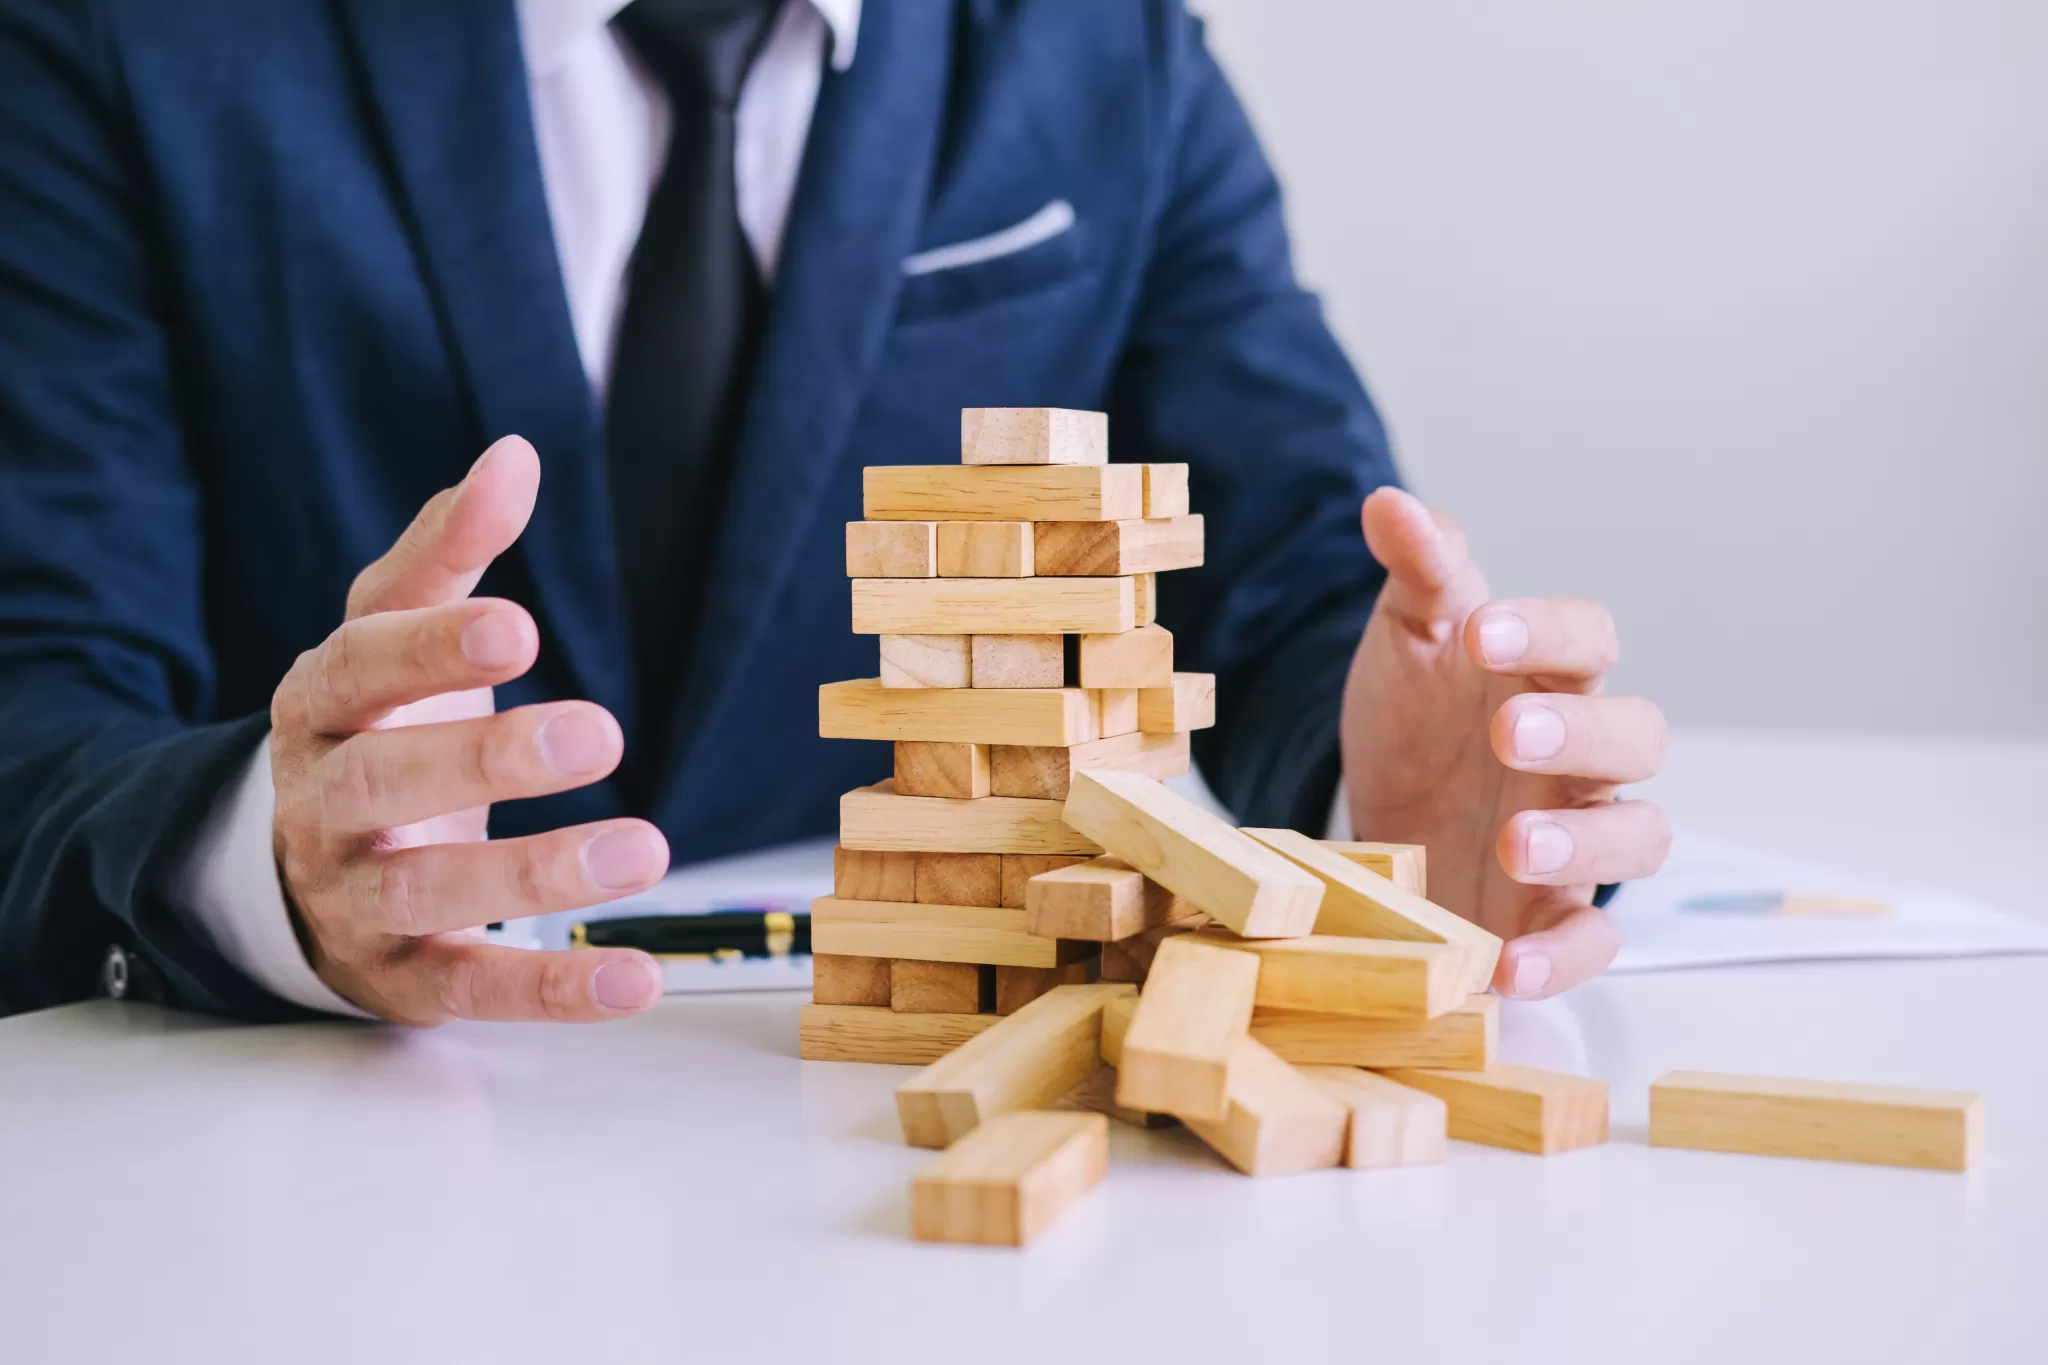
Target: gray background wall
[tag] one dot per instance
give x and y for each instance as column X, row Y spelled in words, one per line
column 1733, row 314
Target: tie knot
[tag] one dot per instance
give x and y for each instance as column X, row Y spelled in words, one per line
column 699, row 49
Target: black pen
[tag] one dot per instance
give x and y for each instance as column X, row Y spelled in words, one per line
column 721, row 934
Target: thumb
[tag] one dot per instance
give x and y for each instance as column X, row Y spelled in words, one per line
column 442, row 554
column 1432, row 583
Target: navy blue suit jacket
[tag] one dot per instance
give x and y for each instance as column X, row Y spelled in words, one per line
column 274, row 271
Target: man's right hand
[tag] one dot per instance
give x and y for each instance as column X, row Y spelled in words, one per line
column 386, row 755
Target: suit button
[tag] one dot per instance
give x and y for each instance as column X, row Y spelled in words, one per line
column 114, row 975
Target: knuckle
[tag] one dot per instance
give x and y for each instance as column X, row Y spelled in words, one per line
column 561, row 990
column 340, row 669
column 457, row 988
column 493, row 757
column 358, row 783
column 396, row 895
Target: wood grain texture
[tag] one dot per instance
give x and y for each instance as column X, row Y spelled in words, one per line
column 1195, row 1009
column 1882, row 1125
column 917, row 661
column 1019, row 661
column 866, row 875
column 1405, row 865
column 1166, row 490
column 1145, row 598
column 1116, row 711
column 1106, row 492
column 864, row 709
column 1391, row 1124
column 984, row 549
column 1116, row 1022
column 1047, row 771
column 1109, row 549
column 957, row 771
column 1244, row 885
column 870, row 1033
column 1130, row 959
column 960, row 878
column 1518, row 1107
column 935, row 987
column 1020, row 868
column 1278, row 1122
column 983, row 934
column 993, row 606
column 1010, row 1180
column 875, row 817
column 1102, row 900
column 1016, row 987
column 1465, row 1039
column 1028, row 1060
column 1188, row 704
column 1098, row 1093
column 1330, row 974
column 840, row 980
column 1142, row 657
column 1359, row 903
column 891, row 549
column 1027, row 436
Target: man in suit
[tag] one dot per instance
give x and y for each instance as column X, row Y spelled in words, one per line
column 274, row 271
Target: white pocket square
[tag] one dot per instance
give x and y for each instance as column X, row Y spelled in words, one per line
column 1042, row 226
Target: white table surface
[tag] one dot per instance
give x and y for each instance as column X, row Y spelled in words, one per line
column 680, row 1187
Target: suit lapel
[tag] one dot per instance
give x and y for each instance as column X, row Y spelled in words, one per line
column 448, row 80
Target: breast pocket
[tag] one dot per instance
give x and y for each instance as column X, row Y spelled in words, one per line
column 1035, row 255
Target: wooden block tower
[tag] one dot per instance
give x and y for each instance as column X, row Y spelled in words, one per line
column 1013, row 598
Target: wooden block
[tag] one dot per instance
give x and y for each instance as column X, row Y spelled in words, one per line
column 1145, row 599
column 1279, row 1122
column 864, row 709
column 1104, row 492
column 839, row 980
column 928, row 768
column 1359, row 903
column 1108, row 549
column 925, row 661
column 1016, row 987
column 1330, row 974
column 984, row 549
column 865, row 875
column 1101, row 900
column 875, row 817
column 892, row 549
column 1130, row 959
column 1020, row 868
column 1882, row 1125
column 1010, row 1180
column 1098, row 1093
column 961, row 879
column 934, row 987
column 1195, row 1009
column 1137, row 658
column 1391, row 1124
column 1047, row 771
column 1033, row 436
column 1019, row 661
column 1116, row 711
column 1116, row 1022
column 1189, row 704
column 1027, row 1061
column 986, row 934
column 1166, row 491
column 1463, row 1040
column 1405, row 865
column 1247, row 887
column 1518, row 1107
column 994, row 606
column 871, row 1033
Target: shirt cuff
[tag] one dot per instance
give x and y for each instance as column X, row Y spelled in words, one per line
column 229, row 889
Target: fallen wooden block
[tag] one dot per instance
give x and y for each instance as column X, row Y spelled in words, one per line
column 864, row 709
column 935, row 933
column 1329, row 974
column 1030, row 436
column 1883, row 1125
column 875, row 817
column 1101, row 900
column 1518, row 1107
column 1110, row 549
column 1405, row 865
column 994, row 606
column 1098, row 1093
column 867, row 875
column 891, row 549
column 1019, row 661
column 842, row 980
column 936, row 987
column 1020, row 868
column 1104, row 492
column 914, row 661
column 1391, row 1124
column 1137, row 658
column 1195, row 1009
column 960, row 878
column 1008, row 1181
column 1166, row 490
column 984, row 549
column 1463, row 1040
column 1116, row 711
column 928, row 768
column 1278, row 1121
column 1247, row 887
column 1359, row 903
column 1116, row 1022
column 1047, row 771
column 1026, row 1061
column 870, row 1033
column 1189, row 703
column 1130, row 959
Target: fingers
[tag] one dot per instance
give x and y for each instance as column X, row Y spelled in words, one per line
column 375, row 664
column 1567, row 638
column 1569, row 944
column 442, row 888
column 380, row 779
column 1432, row 583
column 1603, row 739
column 442, row 554
column 461, row 978
column 1617, row 842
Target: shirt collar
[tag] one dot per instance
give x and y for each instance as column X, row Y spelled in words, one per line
column 549, row 28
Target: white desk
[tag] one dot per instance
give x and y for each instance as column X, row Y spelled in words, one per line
column 681, row 1188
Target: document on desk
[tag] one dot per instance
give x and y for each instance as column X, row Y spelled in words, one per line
column 1718, row 903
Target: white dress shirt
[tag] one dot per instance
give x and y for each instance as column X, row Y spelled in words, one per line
column 601, row 125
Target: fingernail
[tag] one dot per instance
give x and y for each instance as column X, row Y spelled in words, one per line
column 573, row 744
column 1532, row 973
column 625, row 985
column 1539, row 733
column 1503, row 637
column 621, row 859
column 492, row 641
column 1546, row 847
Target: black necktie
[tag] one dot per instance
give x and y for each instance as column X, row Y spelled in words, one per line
column 694, row 305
